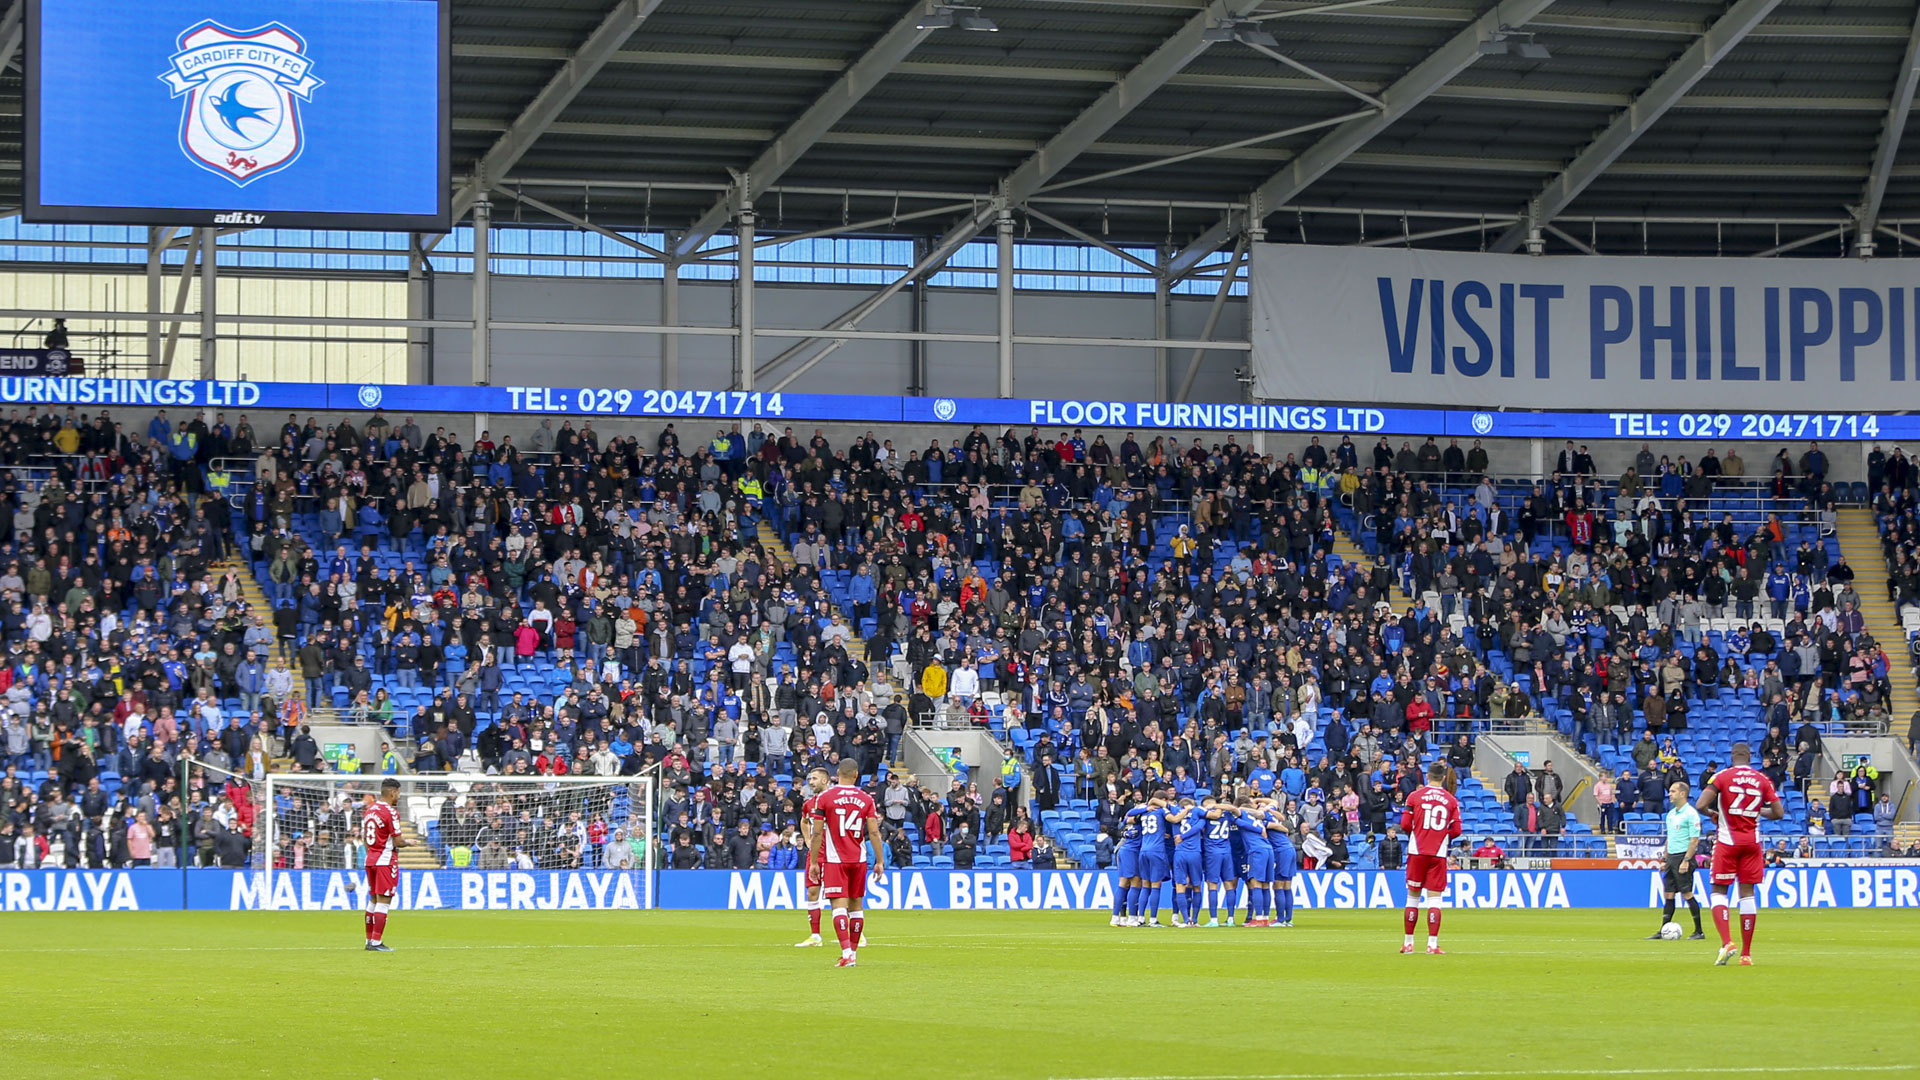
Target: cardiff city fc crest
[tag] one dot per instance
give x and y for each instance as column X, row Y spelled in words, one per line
column 243, row 90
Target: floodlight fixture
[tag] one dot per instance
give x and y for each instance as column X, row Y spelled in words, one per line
column 1245, row 31
column 949, row 16
column 1507, row 41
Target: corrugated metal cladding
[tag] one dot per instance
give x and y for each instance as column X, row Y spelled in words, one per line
column 1785, row 126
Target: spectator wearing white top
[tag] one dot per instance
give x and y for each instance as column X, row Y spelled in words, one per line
column 965, row 685
column 740, row 660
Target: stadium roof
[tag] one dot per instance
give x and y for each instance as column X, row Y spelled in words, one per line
column 1666, row 126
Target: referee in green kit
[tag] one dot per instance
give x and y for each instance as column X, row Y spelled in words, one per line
column 1683, row 843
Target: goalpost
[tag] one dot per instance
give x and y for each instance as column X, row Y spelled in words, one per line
column 458, row 825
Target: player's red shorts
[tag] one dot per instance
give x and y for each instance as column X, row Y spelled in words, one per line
column 383, row 880
column 1744, row 863
column 1427, row 872
column 845, row 881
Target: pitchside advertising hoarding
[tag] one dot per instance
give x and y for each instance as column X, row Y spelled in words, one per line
column 773, row 411
column 1817, row 886
column 1732, row 338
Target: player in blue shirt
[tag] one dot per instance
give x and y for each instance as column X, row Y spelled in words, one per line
column 1156, row 854
column 1286, row 863
column 1126, row 865
column 1189, row 877
column 1216, row 855
column 1237, row 856
column 1257, row 870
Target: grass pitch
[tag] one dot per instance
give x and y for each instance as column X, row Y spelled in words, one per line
column 649, row 995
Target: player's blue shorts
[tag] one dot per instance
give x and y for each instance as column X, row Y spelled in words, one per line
column 1153, row 867
column 1218, row 867
column 1186, row 869
column 1259, row 865
column 1286, row 862
column 1126, row 862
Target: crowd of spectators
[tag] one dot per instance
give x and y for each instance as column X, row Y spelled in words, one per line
column 1154, row 611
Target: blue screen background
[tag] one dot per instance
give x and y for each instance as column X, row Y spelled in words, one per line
column 109, row 127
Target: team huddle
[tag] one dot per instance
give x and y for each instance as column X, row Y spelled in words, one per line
column 1215, row 851
column 1211, row 849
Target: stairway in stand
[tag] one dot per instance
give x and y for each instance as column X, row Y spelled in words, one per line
column 417, row 854
column 1860, row 543
column 880, row 678
column 1351, row 552
column 257, row 602
column 775, row 547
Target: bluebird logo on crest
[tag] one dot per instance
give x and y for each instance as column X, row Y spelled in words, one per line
column 243, row 89
column 1482, row 423
column 945, row 409
column 370, row 397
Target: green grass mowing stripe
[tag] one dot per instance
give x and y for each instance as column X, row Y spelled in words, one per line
column 1023, row 995
column 1682, row 1071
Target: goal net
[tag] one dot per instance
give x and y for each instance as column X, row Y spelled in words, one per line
column 472, row 841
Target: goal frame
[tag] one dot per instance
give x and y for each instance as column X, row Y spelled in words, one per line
column 648, row 809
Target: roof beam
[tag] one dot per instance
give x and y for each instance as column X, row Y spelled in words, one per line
column 1125, row 95
column 1438, row 69
column 1889, row 148
column 1252, row 81
column 1134, row 88
column 1673, row 84
column 1080, row 134
column 553, row 98
column 1606, row 24
column 13, row 31
column 820, row 117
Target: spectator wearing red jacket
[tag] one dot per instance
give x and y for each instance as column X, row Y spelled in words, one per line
column 1020, row 843
column 1419, row 718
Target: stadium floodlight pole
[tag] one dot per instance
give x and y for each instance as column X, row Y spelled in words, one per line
column 670, row 316
column 1162, row 300
column 743, row 345
column 1439, row 68
column 1229, row 273
column 482, row 373
column 157, row 238
column 827, row 110
column 1627, row 126
column 209, row 302
column 419, row 306
column 1898, row 109
column 1003, row 295
column 553, row 98
column 180, row 298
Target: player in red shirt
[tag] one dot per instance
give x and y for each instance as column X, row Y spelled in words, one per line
column 380, row 831
column 845, row 823
column 816, row 783
column 1431, row 822
column 1737, row 797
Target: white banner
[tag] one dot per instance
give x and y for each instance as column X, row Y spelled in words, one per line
column 1393, row 326
column 1640, row 847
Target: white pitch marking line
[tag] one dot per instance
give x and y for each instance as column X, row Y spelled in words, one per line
column 1730, row 1071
